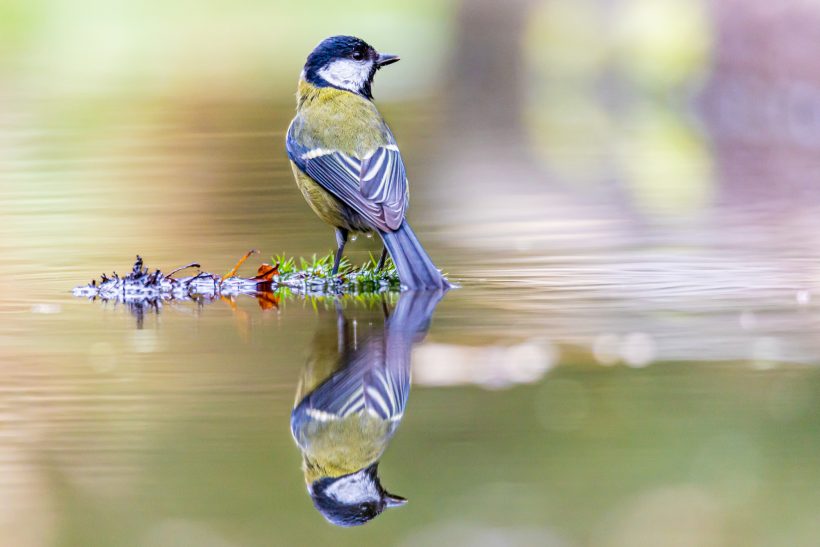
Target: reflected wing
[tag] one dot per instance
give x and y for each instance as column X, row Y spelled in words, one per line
column 365, row 385
column 375, row 186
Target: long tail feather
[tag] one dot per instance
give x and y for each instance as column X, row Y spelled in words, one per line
column 416, row 270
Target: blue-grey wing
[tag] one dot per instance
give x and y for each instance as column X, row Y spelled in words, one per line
column 367, row 384
column 374, row 186
column 384, row 181
column 386, row 388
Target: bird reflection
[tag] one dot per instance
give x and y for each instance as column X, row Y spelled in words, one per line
column 349, row 402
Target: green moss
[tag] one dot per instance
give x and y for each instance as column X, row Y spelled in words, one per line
column 313, row 275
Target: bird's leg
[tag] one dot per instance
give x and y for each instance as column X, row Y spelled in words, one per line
column 382, row 260
column 341, row 239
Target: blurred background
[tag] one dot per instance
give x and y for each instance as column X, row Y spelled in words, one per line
column 628, row 191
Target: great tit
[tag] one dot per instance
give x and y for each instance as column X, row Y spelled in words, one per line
column 349, row 403
column 346, row 161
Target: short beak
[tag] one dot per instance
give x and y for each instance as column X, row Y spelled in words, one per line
column 386, row 59
column 394, row 501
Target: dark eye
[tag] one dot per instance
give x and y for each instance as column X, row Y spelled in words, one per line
column 358, row 55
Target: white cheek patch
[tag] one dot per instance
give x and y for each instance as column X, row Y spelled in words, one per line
column 356, row 488
column 347, row 74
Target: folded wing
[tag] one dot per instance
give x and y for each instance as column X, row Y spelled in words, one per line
column 374, row 186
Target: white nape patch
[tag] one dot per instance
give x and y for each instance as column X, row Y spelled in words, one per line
column 355, row 488
column 347, row 74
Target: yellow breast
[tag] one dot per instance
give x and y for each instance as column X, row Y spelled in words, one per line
column 334, row 119
column 345, row 446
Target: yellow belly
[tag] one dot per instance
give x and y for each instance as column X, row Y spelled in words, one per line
column 326, row 206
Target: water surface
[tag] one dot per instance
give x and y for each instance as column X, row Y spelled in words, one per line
column 602, row 376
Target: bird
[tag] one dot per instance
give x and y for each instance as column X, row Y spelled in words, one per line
column 350, row 400
column 346, row 161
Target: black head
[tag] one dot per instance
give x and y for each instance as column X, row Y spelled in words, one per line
column 352, row 500
column 345, row 62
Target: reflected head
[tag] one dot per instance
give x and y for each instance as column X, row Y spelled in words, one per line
column 354, row 499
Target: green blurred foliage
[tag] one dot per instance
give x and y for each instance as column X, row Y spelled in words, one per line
column 605, row 88
column 608, row 97
column 217, row 49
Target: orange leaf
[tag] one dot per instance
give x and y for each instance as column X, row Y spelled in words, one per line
column 266, row 272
